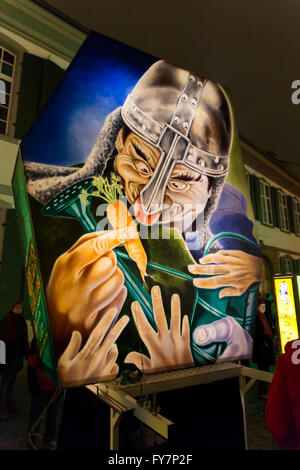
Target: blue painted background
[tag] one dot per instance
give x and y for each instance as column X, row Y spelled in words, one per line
column 98, row 80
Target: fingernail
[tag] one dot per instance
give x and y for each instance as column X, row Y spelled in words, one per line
column 156, row 291
column 127, row 233
column 196, row 282
column 192, row 268
column 176, row 299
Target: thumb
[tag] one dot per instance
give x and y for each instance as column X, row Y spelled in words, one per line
column 73, row 347
column 219, row 330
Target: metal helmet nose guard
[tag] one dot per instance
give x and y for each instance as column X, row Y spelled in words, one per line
column 188, row 118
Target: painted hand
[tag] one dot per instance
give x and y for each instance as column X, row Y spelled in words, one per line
column 169, row 348
column 97, row 359
column 85, row 283
column 239, row 342
column 232, row 269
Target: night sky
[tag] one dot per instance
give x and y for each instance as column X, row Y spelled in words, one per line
column 98, row 81
column 249, row 46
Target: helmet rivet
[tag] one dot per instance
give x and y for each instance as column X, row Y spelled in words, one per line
column 186, row 125
column 194, row 101
column 192, row 78
column 199, row 83
column 176, row 119
column 220, row 167
column 216, row 159
column 184, row 97
column 202, row 163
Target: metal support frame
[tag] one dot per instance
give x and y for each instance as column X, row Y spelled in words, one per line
column 245, row 386
column 32, row 432
column 122, row 398
column 120, row 402
column 115, row 419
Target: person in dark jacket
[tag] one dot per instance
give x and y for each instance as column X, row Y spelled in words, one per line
column 14, row 333
column 263, row 348
column 283, row 404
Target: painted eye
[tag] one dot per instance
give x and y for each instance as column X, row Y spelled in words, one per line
column 177, row 185
column 143, row 168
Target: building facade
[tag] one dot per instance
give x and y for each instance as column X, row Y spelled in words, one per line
column 36, row 48
column 275, row 195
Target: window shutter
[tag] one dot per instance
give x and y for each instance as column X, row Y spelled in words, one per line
column 51, row 77
column 295, row 216
column 295, row 265
column 255, row 196
column 279, row 199
column 257, row 193
column 290, row 213
column 28, row 106
column 275, row 207
column 281, row 265
column 39, row 79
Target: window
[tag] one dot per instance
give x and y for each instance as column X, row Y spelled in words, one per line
column 296, row 214
column 286, row 265
column 7, row 74
column 283, row 211
column 265, row 203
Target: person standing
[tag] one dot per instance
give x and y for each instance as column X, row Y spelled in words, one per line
column 263, row 347
column 282, row 411
column 14, row 333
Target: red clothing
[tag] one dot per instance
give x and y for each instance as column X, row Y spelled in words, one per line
column 283, row 404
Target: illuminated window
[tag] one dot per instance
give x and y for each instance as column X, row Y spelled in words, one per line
column 283, row 211
column 296, row 214
column 7, row 73
column 265, row 203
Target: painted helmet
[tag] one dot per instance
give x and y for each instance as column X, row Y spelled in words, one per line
column 187, row 117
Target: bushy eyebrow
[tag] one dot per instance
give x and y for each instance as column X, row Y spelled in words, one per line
column 140, row 151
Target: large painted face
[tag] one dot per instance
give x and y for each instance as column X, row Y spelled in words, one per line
column 187, row 191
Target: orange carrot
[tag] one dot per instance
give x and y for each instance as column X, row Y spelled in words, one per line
column 119, row 216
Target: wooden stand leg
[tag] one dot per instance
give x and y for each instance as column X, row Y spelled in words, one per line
column 115, row 419
column 242, row 381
